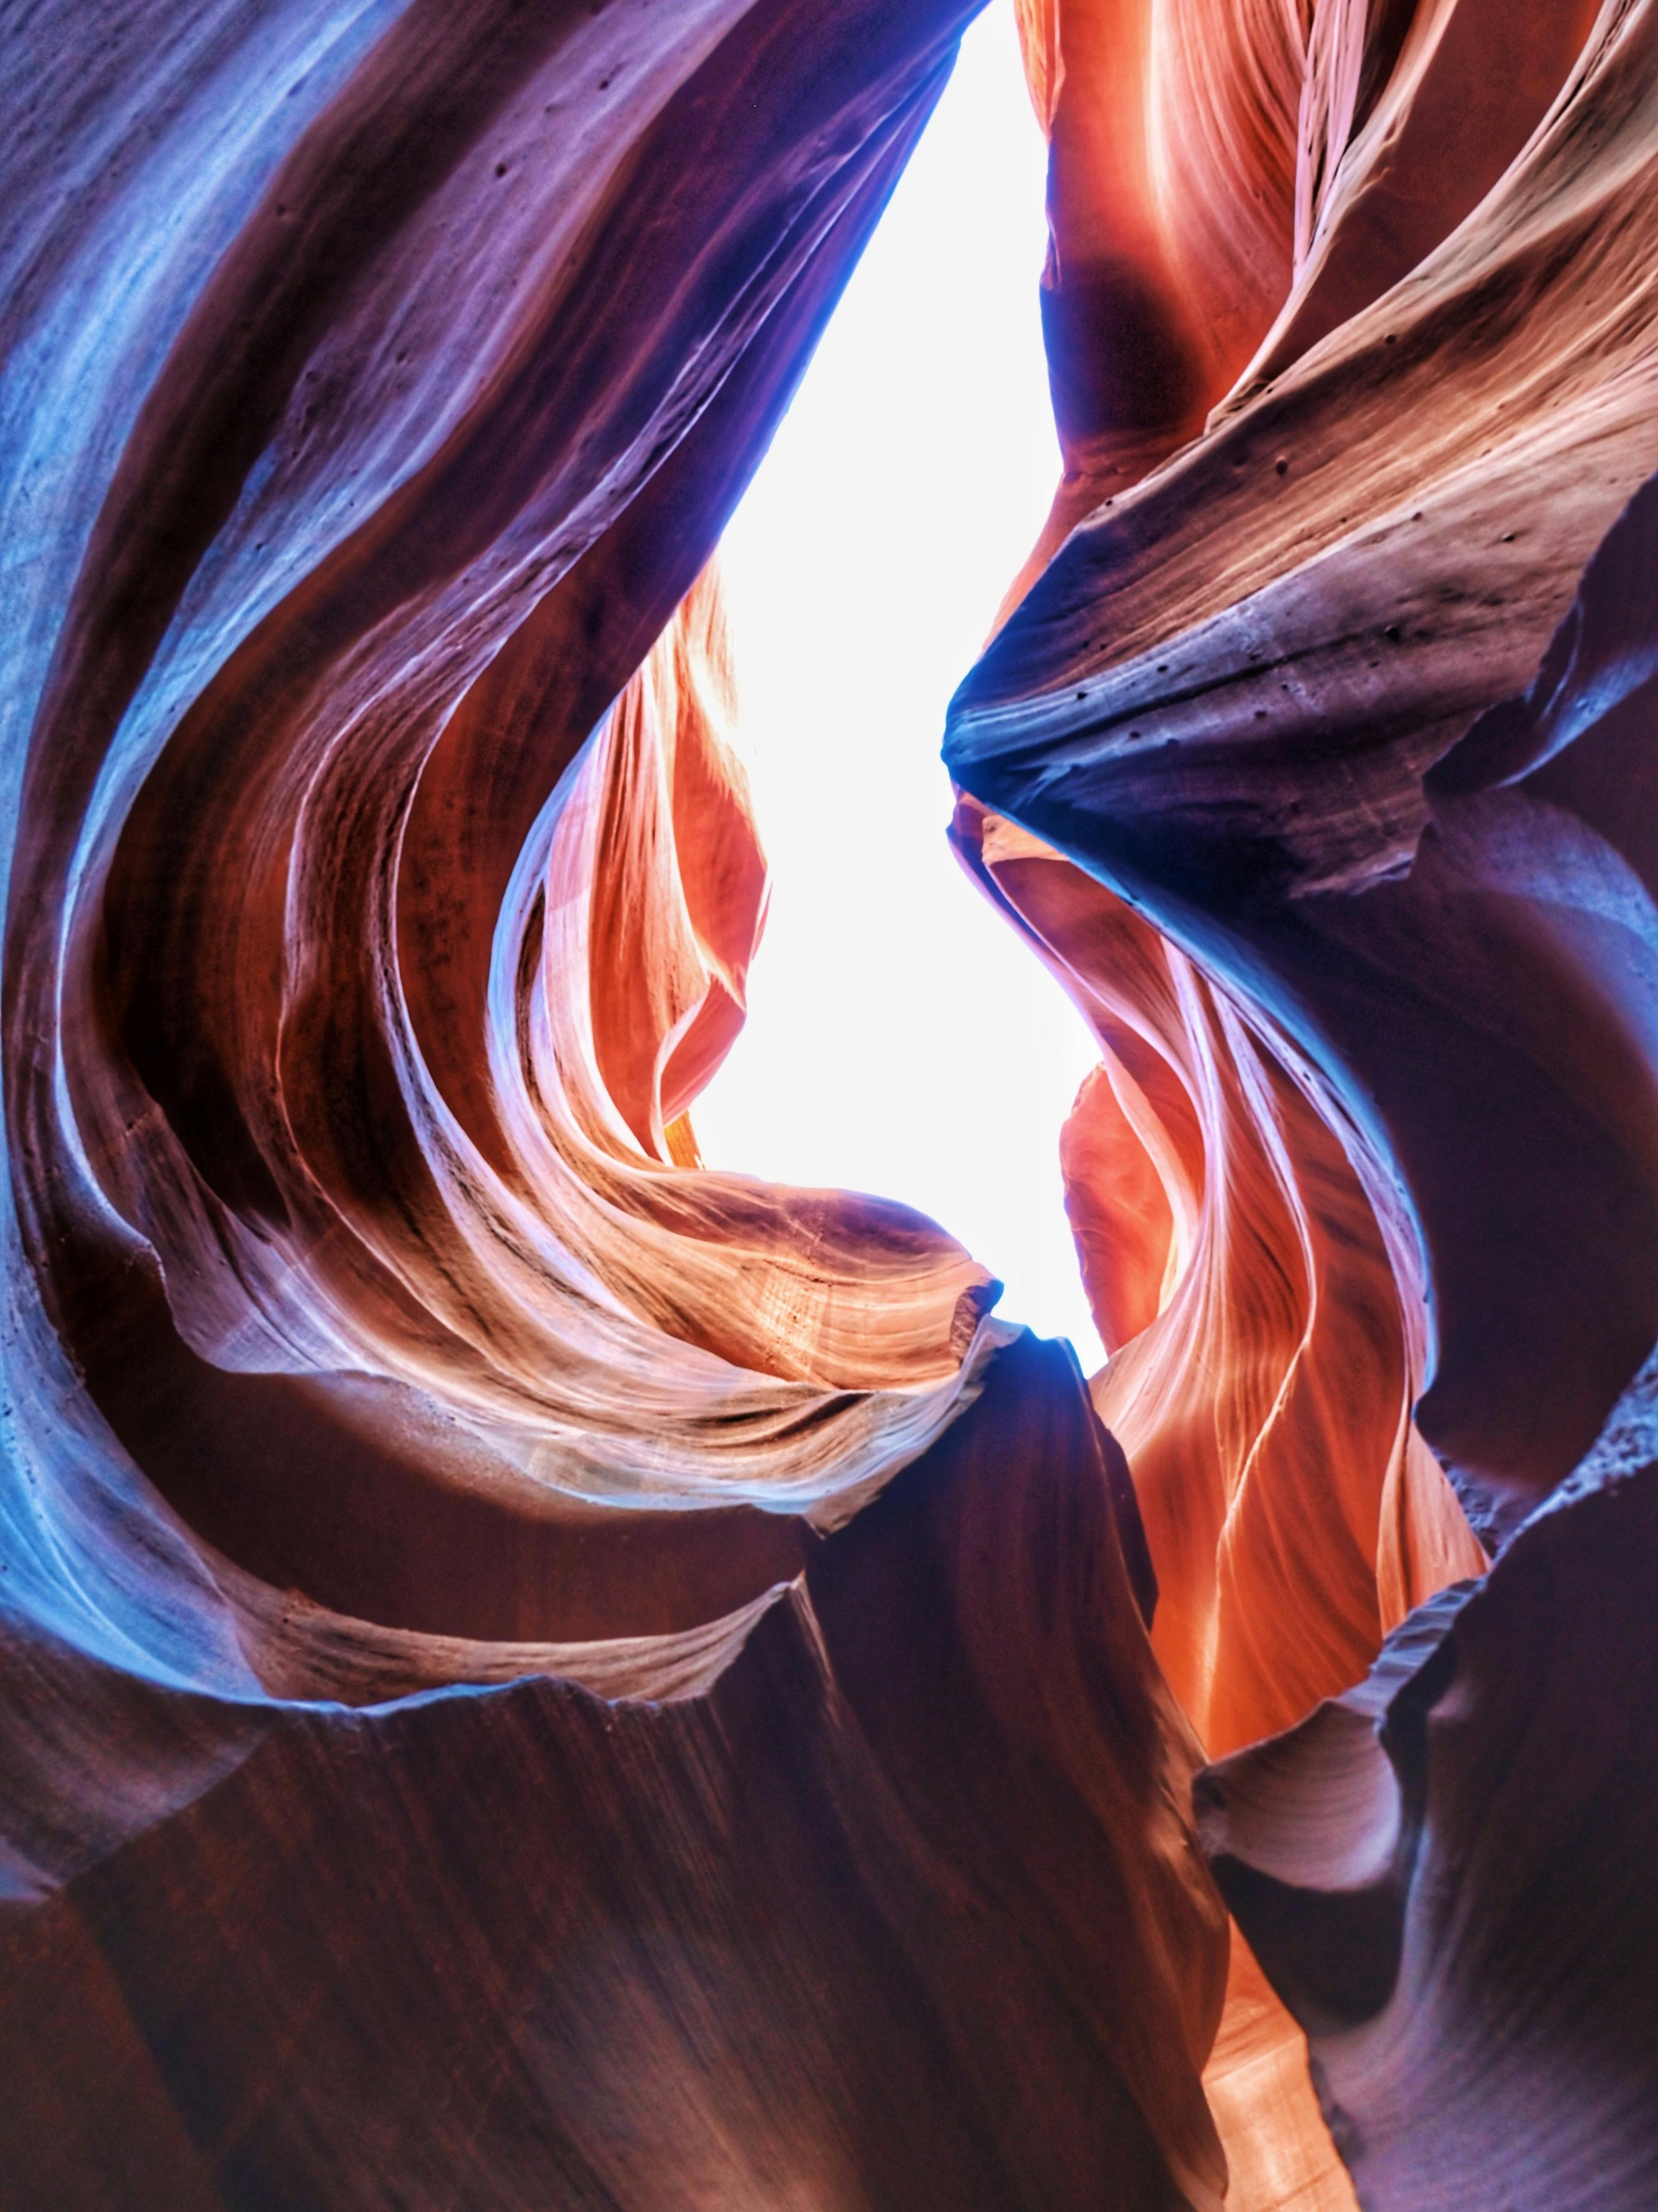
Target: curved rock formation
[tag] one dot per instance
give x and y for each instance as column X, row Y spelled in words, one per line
column 376, row 1337
column 1452, row 1857
column 1374, row 1124
column 538, row 1673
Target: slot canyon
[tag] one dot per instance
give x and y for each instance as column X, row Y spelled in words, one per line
column 542, row 1670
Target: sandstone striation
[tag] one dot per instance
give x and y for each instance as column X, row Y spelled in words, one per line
column 535, row 1672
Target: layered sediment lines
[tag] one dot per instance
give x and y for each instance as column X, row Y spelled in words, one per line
column 1296, row 761
column 535, row 1672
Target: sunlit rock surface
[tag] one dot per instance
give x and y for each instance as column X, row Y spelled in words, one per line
column 538, row 1674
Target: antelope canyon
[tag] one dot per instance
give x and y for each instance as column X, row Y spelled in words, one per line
column 542, row 1668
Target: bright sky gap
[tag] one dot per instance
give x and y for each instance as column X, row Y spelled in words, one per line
column 900, row 1039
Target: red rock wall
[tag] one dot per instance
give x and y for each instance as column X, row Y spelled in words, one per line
column 538, row 1673
column 1295, row 761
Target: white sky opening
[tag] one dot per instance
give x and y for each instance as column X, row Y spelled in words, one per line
column 900, row 1039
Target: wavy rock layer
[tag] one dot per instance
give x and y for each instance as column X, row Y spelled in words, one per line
column 1455, row 1855
column 881, row 1905
column 538, row 1673
column 1336, row 890
column 1446, row 1859
column 460, row 1746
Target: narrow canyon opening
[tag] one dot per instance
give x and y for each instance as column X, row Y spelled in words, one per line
column 901, row 1038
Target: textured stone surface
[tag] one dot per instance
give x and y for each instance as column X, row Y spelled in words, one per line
column 532, row 1672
